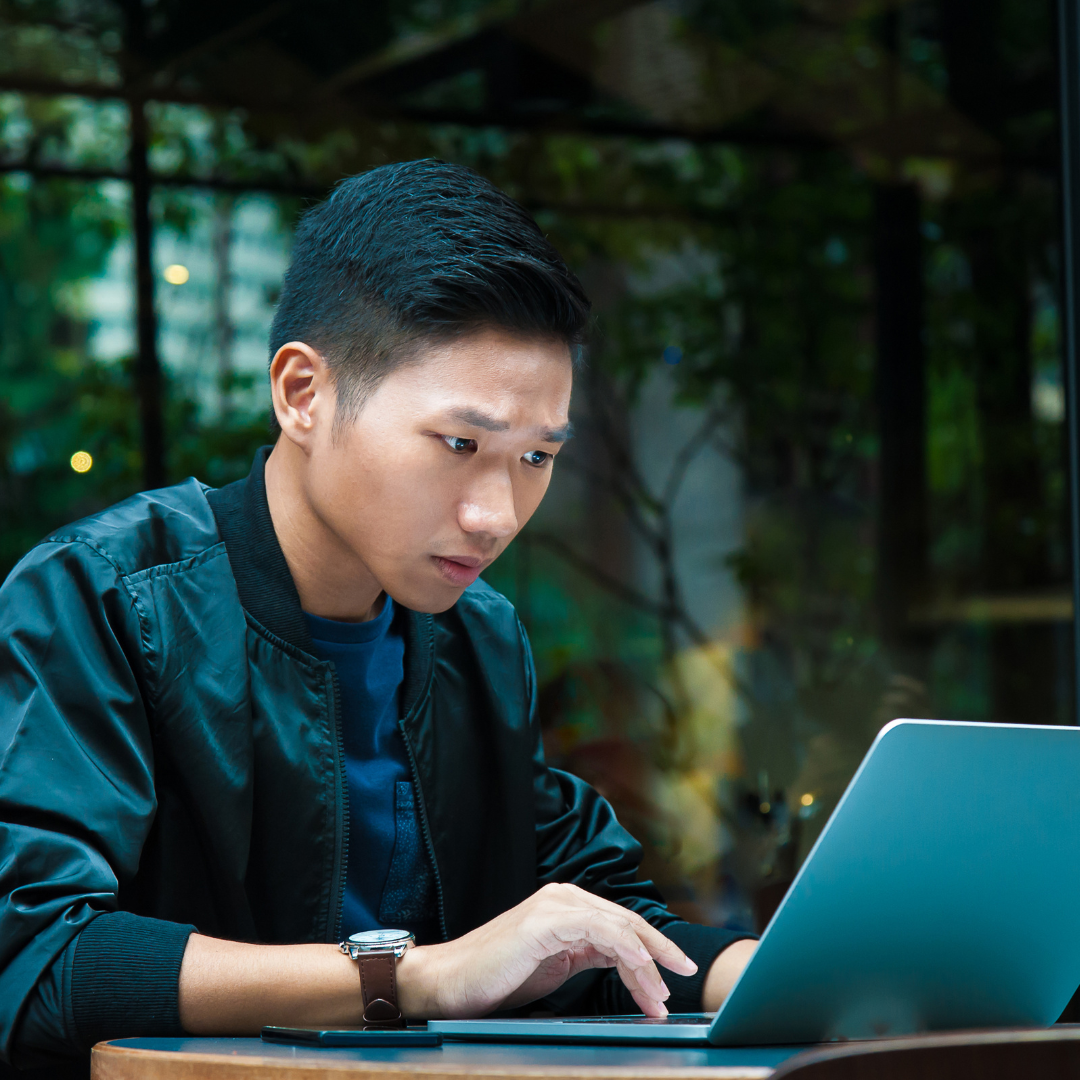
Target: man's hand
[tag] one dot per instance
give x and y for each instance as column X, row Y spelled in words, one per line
column 531, row 950
column 230, row 988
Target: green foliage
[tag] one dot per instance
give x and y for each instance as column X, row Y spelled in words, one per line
column 55, row 236
column 755, row 264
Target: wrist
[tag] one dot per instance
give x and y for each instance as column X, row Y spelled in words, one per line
column 418, row 983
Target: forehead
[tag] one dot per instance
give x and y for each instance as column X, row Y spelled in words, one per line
column 491, row 374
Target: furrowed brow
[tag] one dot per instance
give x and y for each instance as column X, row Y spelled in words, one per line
column 477, row 419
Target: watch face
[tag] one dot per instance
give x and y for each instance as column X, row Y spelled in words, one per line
column 379, row 939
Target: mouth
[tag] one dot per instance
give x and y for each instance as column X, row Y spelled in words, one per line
column 459, row 570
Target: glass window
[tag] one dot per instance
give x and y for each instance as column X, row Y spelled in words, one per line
column 819, row 477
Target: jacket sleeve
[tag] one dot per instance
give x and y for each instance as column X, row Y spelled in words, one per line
column 579, row 840
column 76, row 804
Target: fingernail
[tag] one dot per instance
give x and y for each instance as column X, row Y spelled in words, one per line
column 663, row 986
column 644, row 954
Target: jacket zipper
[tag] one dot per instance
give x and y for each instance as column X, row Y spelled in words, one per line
column 343, row 788
column 425, row 829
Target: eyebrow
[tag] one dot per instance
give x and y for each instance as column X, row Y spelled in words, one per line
column 476, row 418
column 557, row 435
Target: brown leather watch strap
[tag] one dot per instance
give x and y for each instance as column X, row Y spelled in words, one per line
column 378, row 988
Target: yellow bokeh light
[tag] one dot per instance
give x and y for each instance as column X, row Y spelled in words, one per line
column 765, row 807
column 807, row 799
column 176, row 274
column 81, row 461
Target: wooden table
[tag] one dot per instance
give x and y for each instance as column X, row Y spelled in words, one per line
column 252, row 1059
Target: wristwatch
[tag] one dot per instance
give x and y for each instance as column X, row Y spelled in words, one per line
column 377, row 952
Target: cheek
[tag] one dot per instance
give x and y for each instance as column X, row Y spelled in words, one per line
column 389, row 505
column 529, row 493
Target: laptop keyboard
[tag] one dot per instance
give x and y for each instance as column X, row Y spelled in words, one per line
column 700, row 1021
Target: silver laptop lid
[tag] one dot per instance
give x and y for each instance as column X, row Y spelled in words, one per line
column 944, row 892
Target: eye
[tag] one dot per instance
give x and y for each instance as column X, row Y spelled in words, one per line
column 537, row 458
column 459, row 445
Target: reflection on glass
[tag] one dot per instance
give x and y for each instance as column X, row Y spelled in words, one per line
column 818, row 481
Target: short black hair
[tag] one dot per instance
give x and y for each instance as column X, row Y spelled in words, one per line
column 415, row 253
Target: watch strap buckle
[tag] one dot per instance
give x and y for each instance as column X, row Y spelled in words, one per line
column 380, row 1013
column 378, row 989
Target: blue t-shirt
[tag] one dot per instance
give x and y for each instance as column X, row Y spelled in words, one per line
column 388, row 879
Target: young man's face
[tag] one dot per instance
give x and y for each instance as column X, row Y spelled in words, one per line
column 445, row 463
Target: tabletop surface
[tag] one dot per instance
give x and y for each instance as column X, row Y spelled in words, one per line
column 231, row 1058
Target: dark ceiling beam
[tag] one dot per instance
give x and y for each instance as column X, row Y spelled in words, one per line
column 310, row 190
column 318, row 191
column 539, row 123
column 536, row 123
column 34, row 84
column 210, row 183
column 688, row 215
column 175, row 95
column 459, row 117
column 569, row 124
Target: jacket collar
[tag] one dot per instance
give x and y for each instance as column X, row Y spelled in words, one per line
column 265, row 585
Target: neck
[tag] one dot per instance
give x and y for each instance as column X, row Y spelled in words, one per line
column 331, row 580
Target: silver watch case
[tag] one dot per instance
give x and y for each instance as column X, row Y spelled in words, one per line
column 396, row 941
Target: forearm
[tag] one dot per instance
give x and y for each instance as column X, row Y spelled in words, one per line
column 725, row 970
column 231, row 988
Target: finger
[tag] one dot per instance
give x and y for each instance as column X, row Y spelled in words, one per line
column 616, row 934
column 648, row 1002
column 648, row 1006
column 645, row 977
column 659, row 947
column 614, row 937
column 665, row 952
column 585, row 957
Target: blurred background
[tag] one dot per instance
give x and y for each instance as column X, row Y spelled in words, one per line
column 820, row 479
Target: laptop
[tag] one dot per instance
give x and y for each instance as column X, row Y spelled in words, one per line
column 943, row 893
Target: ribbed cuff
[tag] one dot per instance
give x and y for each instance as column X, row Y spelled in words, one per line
column 703, row 944
column 125, row 979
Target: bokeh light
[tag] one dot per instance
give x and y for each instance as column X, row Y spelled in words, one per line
column 176, row 274
column 81, row 461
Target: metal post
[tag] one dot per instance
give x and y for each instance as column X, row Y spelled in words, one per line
column 226, row 332
column 148, row 383
column 1069, row 59
column 901, row 401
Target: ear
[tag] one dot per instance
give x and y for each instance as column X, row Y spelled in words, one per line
column 303, row 392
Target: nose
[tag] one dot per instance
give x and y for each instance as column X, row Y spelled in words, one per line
column 488, row 507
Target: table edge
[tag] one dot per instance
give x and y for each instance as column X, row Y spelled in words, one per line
column 110, row 1062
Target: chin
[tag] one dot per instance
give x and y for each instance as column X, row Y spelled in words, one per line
column 427, row 602
column 433, row 607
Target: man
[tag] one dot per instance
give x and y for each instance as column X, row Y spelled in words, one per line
column 287, row 710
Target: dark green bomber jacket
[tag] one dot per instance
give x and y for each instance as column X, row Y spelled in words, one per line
column 171, row 757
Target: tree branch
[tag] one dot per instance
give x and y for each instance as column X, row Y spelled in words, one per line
column 627, row 593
